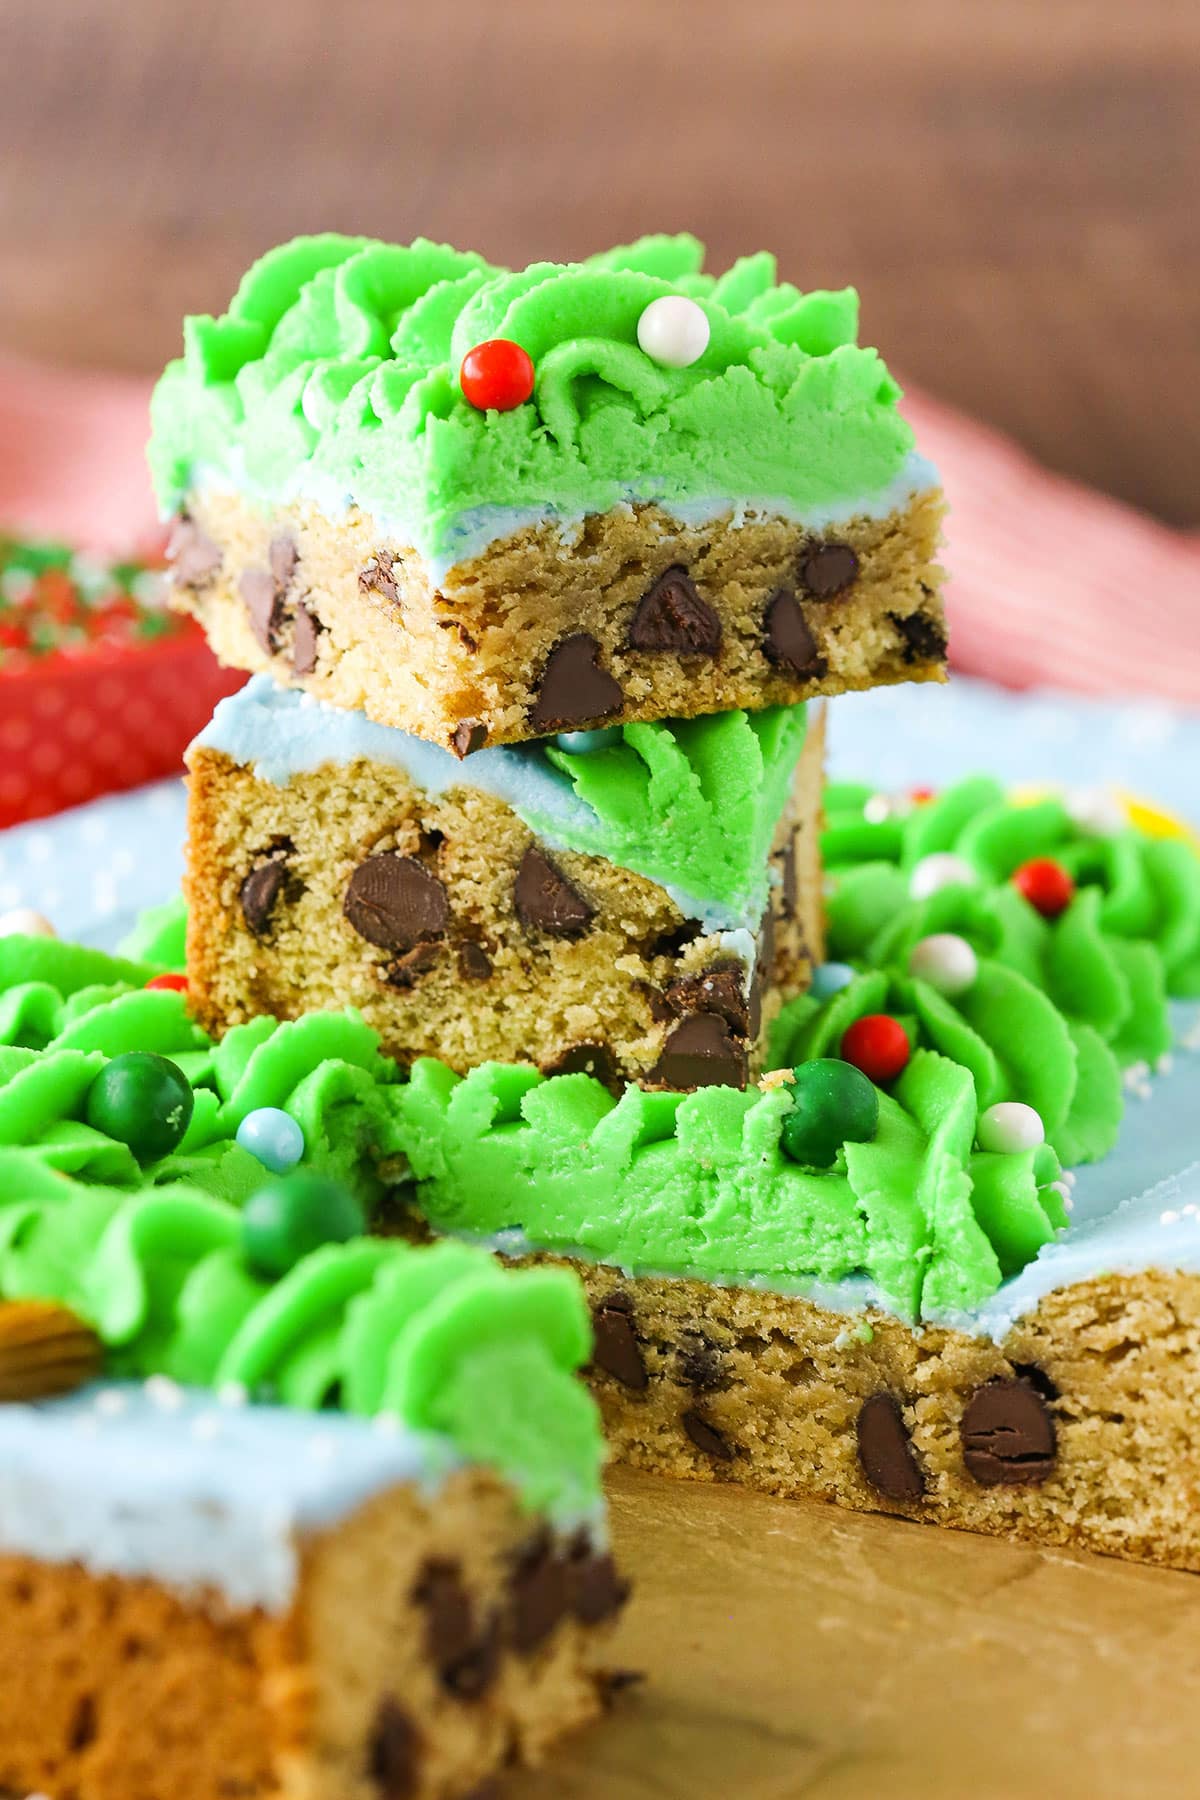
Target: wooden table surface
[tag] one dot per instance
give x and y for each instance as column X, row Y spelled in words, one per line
column 798, row 1651
column 1011, row 183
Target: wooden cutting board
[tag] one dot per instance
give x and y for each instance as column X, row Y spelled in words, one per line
column 795, row 1650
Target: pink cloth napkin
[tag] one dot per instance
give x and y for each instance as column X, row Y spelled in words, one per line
column 1049, row 582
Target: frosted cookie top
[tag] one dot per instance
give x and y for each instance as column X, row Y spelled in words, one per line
column 430, row 387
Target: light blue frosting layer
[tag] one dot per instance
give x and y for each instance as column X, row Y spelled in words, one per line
column 160, row 1481
column 281, row 732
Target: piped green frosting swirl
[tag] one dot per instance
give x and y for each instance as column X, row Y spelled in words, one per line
column 336, row 369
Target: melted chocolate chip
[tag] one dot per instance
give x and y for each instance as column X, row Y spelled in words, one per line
column 574, row 689
column 408, row 969
column 539, row 1595
column 597, row 1591
column 596, row 1060
column 546, row 901
column 394, row 1753
column 616, row 1349
column 474, row 963
column 394, row 902
column 469, row 735
column 701, row 1365
column 282, row 558
column 924, row 637
column 1008, row 1435
column 263, row 886
column 828, row 569
column 701, row 1052
column 264, row 606
column 195, row 560
column 671, row 616
column 465, row 1660
column 707, row 1439
column 304, row 640
column 787, row 640
column 718, row 989
column 670, row 943
column 379, row 576
column 789, row 890
column 885, row 1450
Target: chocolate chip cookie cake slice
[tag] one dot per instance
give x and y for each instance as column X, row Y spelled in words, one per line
column 638, row 902
column 483, row 506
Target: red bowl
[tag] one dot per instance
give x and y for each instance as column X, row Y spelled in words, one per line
column 111, row 717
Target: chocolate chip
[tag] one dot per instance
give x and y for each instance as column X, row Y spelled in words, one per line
column 574, row 689
column 1037, row 1378
column 656, row 1000
column 718, row 989
column 885, row 1451
column 394, row 1752
column 828, row 569
column 546, row 901
column 469, row 735
column 616, row 1349
column 540, row 1595
column 701, row 1365
column 672, row 616
column 700, row 1052
column 924, row 637
column 787, row 640
column 408, row 969
column 670, row 943
column 597, row 1591
column 1008, row 1435
column 393, row 902
column 264, row 604
column 193, row 556
column 281, row 560
column 263, row 885
column 596, row 1060
column 379, row 576
column 304, row 640
column 789, row 888
column 474, row 963
column 706, row 1437
column 465, row 1660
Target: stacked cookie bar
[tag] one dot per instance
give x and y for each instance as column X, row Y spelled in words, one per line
column 538, row 573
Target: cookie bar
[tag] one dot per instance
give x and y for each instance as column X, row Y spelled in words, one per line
column 483, row 506
column 640, row 906
column 874, row 1278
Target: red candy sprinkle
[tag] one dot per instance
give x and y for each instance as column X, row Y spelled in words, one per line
column 175, row 984
column 497, row 376
column 921, row 796
column 877, row 1045
column 1046, row 885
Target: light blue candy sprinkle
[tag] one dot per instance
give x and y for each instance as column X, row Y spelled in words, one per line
column 575, row 743
column 831, row 978
column 274, row 1137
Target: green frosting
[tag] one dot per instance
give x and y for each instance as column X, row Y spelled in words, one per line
column 690, row 803
column 443, row 1339
column 336, row 367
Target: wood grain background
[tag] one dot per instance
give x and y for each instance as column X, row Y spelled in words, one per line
column 1011, row 183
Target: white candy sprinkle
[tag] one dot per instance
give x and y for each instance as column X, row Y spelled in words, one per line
column 233, row 1393
column 1169, row 1217
column 1096, row 810
column 877, row 810
column 942, row 869
column 1009, row 1127
column 22, row 921
column 1165, row 1063
column 673, row 331
column 946, row 961
column 165, row 1394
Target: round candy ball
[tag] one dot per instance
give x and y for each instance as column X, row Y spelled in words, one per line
column 942, row 869
column 293, row 1216
column 168, row 984
column 878, row 1045
column 22, row 921
column 142, row 1100
column 946, row 961
column 496, row 376
column 673, row 331
column 273, row 1136
column 1046, row 885
column 1010, row 1126
column 833, row 1104
column 577, row 743
column 830, row 978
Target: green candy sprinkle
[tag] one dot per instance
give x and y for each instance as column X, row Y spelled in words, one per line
column 288, row 1219
column 833, row 1104
column 144, row 1101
